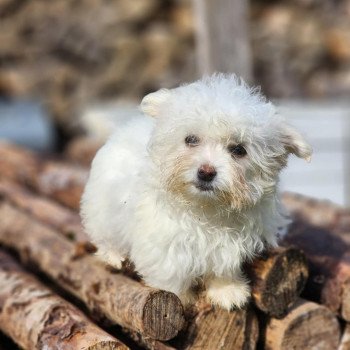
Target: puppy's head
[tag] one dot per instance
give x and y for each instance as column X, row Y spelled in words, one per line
column 219, row 141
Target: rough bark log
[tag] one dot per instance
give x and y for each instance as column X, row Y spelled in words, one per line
column 154, row 313
column 306, row 326
column 82, row 150
column 35, row 318
column 278, row 277
column 45, row 210
column 61, row 181
column 329, row 266
column 213, row 328
column 316, row 212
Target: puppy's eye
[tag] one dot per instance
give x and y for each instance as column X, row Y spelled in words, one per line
column 237, row 151
column 192, row 140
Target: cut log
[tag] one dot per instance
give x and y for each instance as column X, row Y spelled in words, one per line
column 329, row 266
column 318, row 213
column 306, row 326
column 44, row 210
column 278, row 277
column 35, row 318
column 213, row 328
column 61, row 181
column 155, row 313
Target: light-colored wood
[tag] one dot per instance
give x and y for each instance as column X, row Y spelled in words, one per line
column 306, row 326
column 222, row 37
column 35, row 318
column 154, row 313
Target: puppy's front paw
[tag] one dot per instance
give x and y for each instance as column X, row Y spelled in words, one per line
column 111, row 258
column 228, row 294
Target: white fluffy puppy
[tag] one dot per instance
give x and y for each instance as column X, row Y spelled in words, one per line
column 191, row 194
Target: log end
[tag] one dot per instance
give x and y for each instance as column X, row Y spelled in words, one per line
column 307, row 326
column 163, row 315
column 280, row 280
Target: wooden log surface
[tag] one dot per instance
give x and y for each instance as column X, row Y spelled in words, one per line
column 328, row 257
column 36, row 318
column 345, row 338
column 214, row 328
column 57, row 179
column 45, row 210
column 306, row 326
column 273, row 292
column 155, row 313
column 278, row 277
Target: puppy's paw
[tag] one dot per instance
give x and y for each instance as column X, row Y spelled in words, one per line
column 228, row 294
column 188, row 297
column 111, row 258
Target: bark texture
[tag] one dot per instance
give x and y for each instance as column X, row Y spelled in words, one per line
column 154, row 313
column 36, row 318
column 329, row 265
column 44, row 209
column 278, row 277
column 306, row 326
column 59, row 180
column 213, row 328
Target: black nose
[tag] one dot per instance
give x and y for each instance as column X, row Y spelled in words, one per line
column 206, row 173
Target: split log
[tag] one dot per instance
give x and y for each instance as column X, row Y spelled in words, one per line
column 154, row 313
column 278, row 277
column 214, row 328
column 306, row 326
column 329, row 266
column 35, row 318
column 59, row 180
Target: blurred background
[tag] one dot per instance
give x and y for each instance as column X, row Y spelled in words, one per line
column 71, row 67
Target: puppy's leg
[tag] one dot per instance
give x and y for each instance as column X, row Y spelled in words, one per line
column 228, row 292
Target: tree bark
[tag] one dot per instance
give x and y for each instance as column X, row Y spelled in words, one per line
column 59, row 180
column 306, row 326
column 155, row 313
column 214, row 328
column 45, row 210
column 329, row 265
column 278, row 277
column 36, row 318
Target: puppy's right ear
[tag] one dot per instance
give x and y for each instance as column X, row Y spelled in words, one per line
column 152, row 102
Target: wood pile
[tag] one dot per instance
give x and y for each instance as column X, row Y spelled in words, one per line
column 55, row 294
column 70, row 53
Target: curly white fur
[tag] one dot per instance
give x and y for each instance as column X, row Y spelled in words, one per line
column 142, row 200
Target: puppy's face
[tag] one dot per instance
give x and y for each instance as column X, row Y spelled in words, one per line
column 219, row 148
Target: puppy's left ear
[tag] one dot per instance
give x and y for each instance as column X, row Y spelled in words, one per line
column 295, row 143
column 151, row 103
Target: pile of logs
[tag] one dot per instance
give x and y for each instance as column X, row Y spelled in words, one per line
column 54, row 293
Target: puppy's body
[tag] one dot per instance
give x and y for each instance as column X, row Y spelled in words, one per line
column 146, row 200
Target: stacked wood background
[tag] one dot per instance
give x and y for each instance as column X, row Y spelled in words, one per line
column 72, row 52
column 55, row 294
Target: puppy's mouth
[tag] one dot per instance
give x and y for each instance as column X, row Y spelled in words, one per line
column 204, row 187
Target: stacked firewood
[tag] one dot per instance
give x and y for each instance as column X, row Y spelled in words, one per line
column 54, row 293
